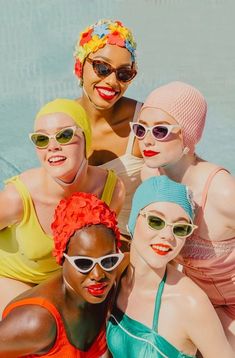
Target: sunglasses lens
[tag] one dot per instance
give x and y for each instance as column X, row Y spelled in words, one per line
column 125, row 74
column 65, row 136
column 40, row 140
column 160, row 132
column 83, row 264
column 109, row 262
column 155, row 222
column 139, row 130
column 182, row 230
column 102, row 69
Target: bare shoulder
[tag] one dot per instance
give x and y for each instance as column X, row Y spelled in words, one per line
column 31, row 324
column 11, row 206
column 126, row 106
column 118, row 197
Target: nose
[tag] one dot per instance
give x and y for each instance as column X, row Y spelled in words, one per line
column 148, row 139
column 53, row 145
column 167, row 234
column 97, row 273
column 111, row 79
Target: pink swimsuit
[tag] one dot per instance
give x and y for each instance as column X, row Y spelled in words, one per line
column 211, row 264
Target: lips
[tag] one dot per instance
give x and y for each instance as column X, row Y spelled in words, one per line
column 161, row 249
column 106, row 93
column 98, row 289
column 150, row 153
column 56, row 160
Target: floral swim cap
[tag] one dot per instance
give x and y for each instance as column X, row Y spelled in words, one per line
column 97, row 36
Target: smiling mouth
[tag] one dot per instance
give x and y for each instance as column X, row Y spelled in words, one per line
column 106, row 93
column 98, row 289
column 57, row 160
column 161, row 249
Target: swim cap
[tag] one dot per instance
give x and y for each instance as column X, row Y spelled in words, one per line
column 186, row 105
column 97, row 36
column 160, row 189
column 76, row 212
column 73, row 110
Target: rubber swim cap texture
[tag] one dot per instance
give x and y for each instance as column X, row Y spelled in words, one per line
column 76, row 212
column 160, row 189
column 73, row 110
column 97, row 36
column 186, row 105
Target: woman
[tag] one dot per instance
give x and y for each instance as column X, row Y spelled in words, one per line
column 62, row 139
column 65, row 316
column 105, row 64
column 159, row 311
column 170, row 125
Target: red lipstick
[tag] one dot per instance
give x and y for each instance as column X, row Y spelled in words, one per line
column 161, row 249
column 150, row 153
column 106, row 93
column 97, row 289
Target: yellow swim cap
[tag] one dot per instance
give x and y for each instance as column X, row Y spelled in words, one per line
column 73, row 110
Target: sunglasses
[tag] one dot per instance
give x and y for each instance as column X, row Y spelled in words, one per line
column 180, row 229
column 63, row 136
column 159, row 132
column 85, row 264
column 104, row 69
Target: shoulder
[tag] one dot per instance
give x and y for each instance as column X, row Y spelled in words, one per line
column 126, row 107
column 27, row 323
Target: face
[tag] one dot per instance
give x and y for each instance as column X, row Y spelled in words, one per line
column 60, row 160
column 104, row 92
column 159, row 153
column 157, row 247
column 94, row 241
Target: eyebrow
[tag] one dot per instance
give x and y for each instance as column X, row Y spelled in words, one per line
column 180, row 218
column 106, row 59
column 155, row 123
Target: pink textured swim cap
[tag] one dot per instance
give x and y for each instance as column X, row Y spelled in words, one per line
column 186, row 105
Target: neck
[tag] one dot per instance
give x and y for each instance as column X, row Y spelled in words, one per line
column 141, row 274
column 78, row 182
column 95, row 113
column 179, row 171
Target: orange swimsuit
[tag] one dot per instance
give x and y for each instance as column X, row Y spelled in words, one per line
column 62, row 347
column 211, row 264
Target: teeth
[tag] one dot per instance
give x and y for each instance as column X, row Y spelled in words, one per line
column 161, row 248
column 106, row 92
column 55, row 159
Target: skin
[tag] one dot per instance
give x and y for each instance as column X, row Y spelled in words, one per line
column 184, row 305
column 219, row 214
column 109, row 118
column 32, row 329
column 46, row 192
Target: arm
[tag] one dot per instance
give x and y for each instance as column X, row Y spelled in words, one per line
column 26, row 330
column 118, row 197
column 205, row 329
column 11, row 206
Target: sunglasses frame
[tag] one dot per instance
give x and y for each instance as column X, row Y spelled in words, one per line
column 169, row 127
column 146, row 214
column 53, row 136
column 95, row 261
column 111, row 68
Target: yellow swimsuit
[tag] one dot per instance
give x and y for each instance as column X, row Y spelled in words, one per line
column 25, row 249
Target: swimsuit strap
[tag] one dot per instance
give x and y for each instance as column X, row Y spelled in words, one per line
column 109, row 187
column 158, row 303
column 131, row 135
column 205, row 193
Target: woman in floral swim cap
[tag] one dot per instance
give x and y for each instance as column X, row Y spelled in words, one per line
column 170, row 125
column 105, row 64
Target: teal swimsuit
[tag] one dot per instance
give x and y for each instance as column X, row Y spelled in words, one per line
column 127, row 337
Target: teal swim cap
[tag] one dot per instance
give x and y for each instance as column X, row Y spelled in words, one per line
column 160, row 189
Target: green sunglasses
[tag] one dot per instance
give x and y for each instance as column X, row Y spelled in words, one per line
column 63, row 136
column 179, row 229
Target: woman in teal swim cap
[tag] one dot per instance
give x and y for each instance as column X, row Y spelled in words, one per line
column 159, row 311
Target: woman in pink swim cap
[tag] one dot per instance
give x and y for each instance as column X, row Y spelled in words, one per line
column 169, row 126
